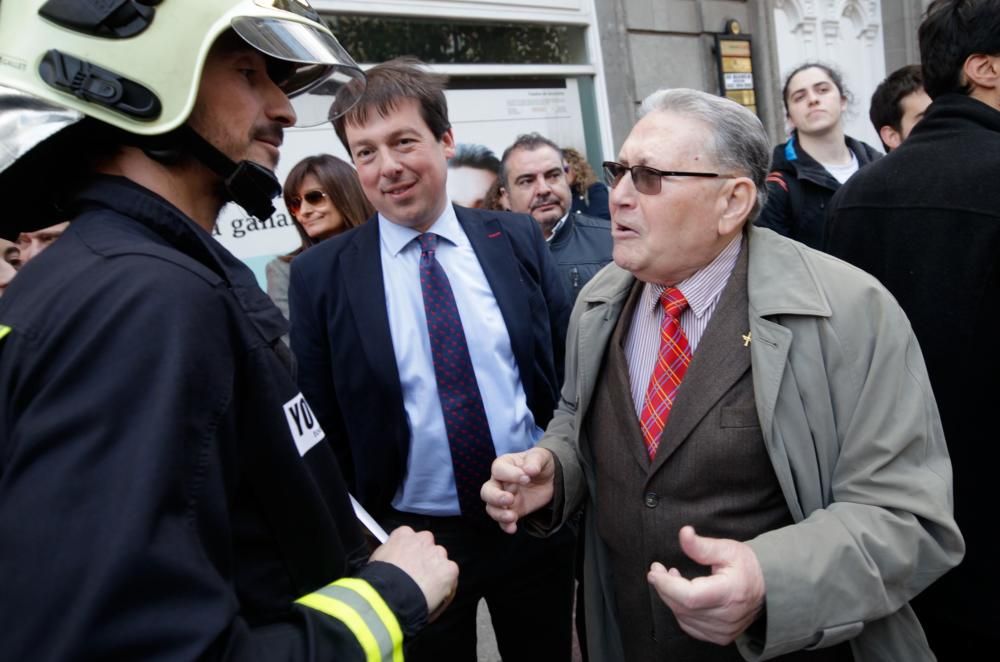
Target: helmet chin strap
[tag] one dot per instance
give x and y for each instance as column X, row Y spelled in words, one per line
column 248, row 184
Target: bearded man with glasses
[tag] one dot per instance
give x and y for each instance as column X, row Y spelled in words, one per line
column 746, row 422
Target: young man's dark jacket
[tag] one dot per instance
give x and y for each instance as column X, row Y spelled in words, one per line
column 925, row 221
column 163, row 495
column 799, row 189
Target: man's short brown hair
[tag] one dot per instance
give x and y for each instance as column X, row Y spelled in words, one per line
column 392, row 82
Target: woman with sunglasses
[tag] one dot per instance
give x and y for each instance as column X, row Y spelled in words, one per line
column 324, row 197
column 808, row 169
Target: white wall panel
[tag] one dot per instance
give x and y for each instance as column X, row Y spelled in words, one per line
column 844, row 33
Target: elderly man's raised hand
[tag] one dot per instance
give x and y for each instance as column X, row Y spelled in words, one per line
column 719, row 607
column 521, row 483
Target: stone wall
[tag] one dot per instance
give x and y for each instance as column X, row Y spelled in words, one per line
column 651, row 44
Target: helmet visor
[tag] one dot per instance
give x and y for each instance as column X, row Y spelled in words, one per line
column 324, row 72
column 26, row 121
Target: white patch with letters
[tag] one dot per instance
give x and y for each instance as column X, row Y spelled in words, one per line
column 302, row 424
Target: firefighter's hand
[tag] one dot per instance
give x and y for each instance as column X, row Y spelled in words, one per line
column 425, row 562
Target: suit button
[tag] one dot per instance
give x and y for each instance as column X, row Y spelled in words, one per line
column 652, row 499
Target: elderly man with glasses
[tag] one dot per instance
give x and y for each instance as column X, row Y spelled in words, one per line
column 800, row 495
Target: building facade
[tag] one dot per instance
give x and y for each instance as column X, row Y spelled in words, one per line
column 648, row 44
column 577, row 70
column 615, row 52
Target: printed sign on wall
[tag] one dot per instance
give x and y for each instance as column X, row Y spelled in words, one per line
column 735, row 62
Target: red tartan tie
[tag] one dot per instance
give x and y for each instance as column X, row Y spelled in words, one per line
column 671, row 364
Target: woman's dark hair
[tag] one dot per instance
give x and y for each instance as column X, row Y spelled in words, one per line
column 834, row 75
column 339, row 181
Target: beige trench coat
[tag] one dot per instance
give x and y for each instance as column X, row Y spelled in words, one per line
column 854, row 435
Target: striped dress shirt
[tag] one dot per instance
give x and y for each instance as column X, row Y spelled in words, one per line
column 702, row 291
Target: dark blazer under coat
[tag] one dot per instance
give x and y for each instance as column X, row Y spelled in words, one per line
column 341, row 338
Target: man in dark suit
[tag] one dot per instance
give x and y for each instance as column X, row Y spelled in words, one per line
column 925, row 221
column 428, row 341
column 747, row 422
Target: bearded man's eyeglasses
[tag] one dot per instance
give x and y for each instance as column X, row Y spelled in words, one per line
column 648, row 181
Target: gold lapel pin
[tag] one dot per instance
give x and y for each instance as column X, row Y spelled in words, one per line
column 747, row 338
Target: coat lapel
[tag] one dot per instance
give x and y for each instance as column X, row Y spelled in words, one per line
column 500, row 265
column 603, row 307
column 719, row 361
column 361, row 277
column 633, row 435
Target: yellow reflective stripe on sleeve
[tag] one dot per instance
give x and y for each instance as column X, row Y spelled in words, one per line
column 381, row 608
column 349, row 617
column 4, row 330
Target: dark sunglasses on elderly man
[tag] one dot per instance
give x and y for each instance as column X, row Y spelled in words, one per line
column 312, row 197
column 646, row 180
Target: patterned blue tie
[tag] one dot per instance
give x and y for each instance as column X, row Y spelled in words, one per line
column 469, row 439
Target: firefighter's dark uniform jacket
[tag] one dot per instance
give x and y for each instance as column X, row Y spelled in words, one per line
column 799, row 189
column 164, row 491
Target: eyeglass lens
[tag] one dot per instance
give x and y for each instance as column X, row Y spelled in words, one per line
column 312, row 197
column 646, row 180
column 613, row 173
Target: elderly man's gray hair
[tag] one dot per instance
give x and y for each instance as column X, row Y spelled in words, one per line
column 740, row 143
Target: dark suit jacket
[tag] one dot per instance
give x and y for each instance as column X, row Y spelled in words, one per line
column 341, row 338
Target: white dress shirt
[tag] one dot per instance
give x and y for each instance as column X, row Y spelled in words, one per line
column 429, row 483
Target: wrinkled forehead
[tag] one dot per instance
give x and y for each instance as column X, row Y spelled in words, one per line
column 668, row 140
column 539, row 159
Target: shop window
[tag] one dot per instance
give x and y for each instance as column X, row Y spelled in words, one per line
column 379, row 38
